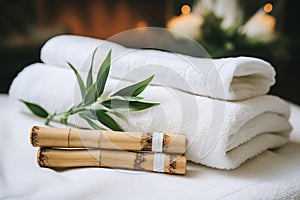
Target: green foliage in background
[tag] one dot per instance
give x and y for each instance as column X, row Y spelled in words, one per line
column 219, row 42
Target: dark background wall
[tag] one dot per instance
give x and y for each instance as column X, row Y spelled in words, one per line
column 26, row 24
column 288, row 84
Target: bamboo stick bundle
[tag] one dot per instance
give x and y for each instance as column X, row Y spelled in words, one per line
column 102, row 139
column 66, row 158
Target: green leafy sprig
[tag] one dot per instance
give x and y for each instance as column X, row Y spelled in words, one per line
column 125, row 99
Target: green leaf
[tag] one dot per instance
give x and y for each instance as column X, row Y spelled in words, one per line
column 135, row 89
column 90, row 122
column 36, row 109
column 106, row 120
column 90, row 95
column 89, row 80
column 131, row 105
column 119, row 115
column 103, row 74
column 79, row 80
column 128, row 98
column 89, row 114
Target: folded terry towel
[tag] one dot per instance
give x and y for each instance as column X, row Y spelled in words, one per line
column 220, row 134
column 228, row 78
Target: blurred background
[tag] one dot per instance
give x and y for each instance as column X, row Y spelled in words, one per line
column 264, row 29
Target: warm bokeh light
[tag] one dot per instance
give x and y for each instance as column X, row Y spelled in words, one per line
column 188, row 25
column 141, row 24
column 261, row 25
column 268, row 7
column 186, row 9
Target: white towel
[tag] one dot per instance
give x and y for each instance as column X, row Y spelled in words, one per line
column 220, row 134
column 228, row 78
column 272, row 175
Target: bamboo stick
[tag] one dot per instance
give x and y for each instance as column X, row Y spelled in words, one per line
column 78, row 138
column 66, row 158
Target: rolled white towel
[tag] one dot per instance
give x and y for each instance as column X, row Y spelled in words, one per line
column 228, row 78
column 220, row 134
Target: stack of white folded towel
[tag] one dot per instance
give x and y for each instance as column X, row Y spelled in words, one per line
column 220, row 104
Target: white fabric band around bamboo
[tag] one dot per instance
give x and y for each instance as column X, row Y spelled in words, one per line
column 159, row 162
column 157, row 141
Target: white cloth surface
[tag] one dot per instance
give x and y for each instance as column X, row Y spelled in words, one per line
column 228, row 78
column 220, row 134
column 272, row 175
